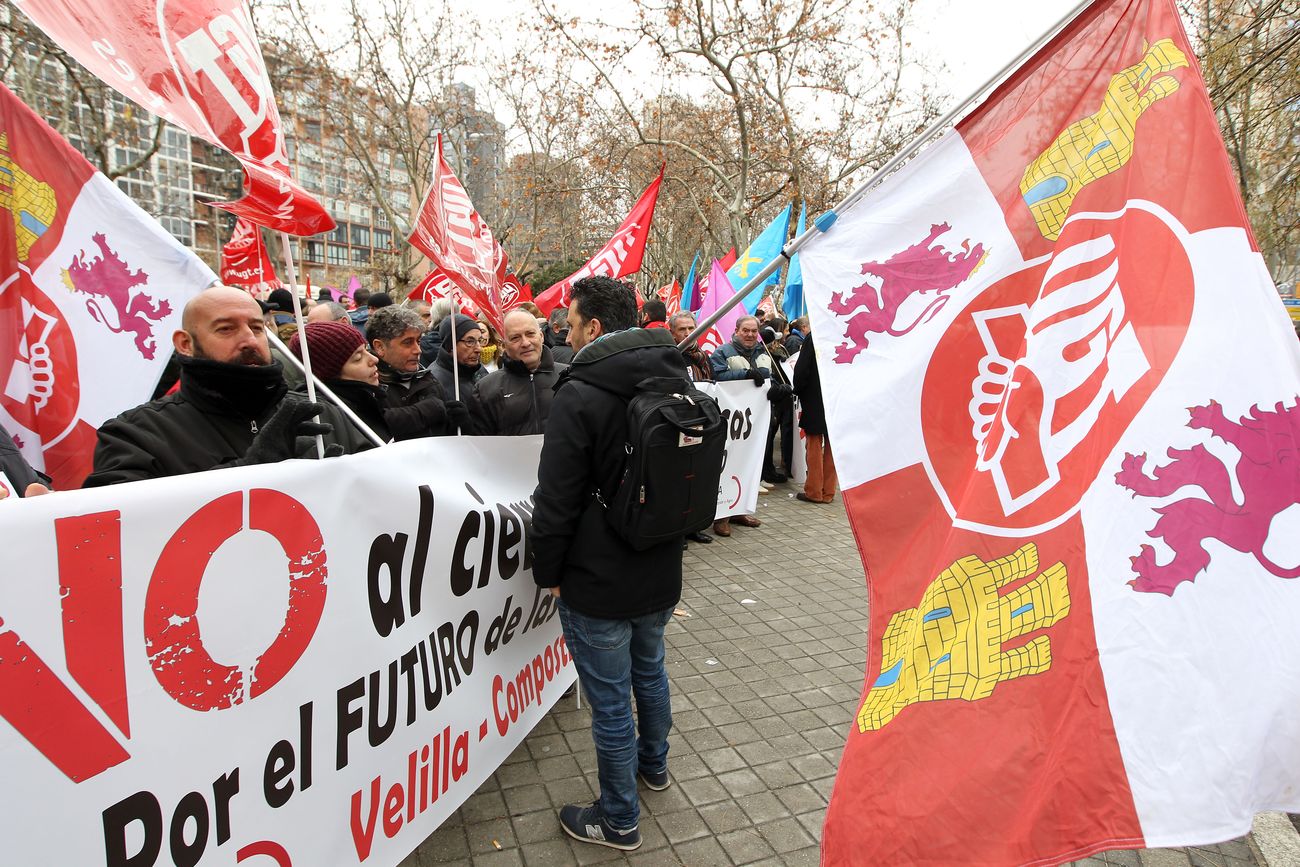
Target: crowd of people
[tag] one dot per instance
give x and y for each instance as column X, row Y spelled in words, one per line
column 388, row 371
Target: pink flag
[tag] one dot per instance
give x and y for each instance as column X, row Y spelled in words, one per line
column 720, row 292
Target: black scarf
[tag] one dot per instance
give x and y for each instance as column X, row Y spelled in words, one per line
column 248, row 391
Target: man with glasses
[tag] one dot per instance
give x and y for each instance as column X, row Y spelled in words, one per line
column 469, row 368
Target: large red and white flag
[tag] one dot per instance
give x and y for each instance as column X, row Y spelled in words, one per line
column 244, row 260
column 1062, row 395
column 91, row 289
column 456, row 240
column 621, row 254
column 198, row 64
column 436, row 284
column 671, row 295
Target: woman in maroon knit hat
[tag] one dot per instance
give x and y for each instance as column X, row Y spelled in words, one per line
column 340, row 359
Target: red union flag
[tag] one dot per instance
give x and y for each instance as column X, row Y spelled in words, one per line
column 244, row 261
column 198, row 64
column 671, row 295
column 1076, row 516
column 621, row 254
column 91, row 289
column 456, row 240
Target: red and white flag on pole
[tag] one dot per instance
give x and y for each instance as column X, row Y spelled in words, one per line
column 456, row 240
column 436, row 284
column 91, row 289
column 671, row 295
column 621, row 254
column 198, row 64
column 1075, row 511
column 244, row 260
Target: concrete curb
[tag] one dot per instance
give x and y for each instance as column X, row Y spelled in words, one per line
column 1274, row 840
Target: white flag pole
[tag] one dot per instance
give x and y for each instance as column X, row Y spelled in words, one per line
column 823, row 223
column 285, row 242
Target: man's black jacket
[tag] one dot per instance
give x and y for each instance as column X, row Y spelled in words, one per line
column 516, row 401
column 573, row 546
column 197, row 429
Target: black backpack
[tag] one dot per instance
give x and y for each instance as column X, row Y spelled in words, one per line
column 676, row 439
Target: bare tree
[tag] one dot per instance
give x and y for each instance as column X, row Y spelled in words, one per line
column 74, row 101
column 1250, row 52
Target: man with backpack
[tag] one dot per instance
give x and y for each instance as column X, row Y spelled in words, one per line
column 618, row 580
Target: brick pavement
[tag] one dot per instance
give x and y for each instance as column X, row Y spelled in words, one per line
column 765, row 676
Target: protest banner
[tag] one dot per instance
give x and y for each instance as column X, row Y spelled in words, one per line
column 1063, row 398
column 90, row 293
column 747, row 414
column 799, row 466
column 315, row 663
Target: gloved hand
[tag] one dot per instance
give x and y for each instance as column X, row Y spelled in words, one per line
column 779, row 392
column 459, row 415
column 290, row 433
column 757, row 375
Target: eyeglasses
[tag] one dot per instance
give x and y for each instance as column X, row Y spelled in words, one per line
column 472, row 341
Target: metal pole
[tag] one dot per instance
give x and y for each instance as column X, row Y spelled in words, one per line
column 826, row 220
column 324, row 389
column 302, row 329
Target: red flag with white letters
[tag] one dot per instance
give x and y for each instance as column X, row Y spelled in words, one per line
column 621, row 254
column 197, row 64
column 244, row 260
column 1062, row 396
column 458, row 242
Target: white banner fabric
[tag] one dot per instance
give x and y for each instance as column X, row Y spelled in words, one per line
column 313, row 662
column 748, row 415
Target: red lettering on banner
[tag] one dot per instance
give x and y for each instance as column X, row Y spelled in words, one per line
column 90, row 587
column 180, row 662
column 45, row 712
column 270, row 849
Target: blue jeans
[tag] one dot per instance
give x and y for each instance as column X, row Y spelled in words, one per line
column 616, row 660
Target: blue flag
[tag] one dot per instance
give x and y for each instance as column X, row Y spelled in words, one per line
column 689, row 301
column 766, row 247
column 793, row 305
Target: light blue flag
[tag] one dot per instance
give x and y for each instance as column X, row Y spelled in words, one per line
column 689, row 301
column 763, row 249
column 793, row 305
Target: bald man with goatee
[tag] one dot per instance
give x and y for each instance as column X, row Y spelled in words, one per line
column 233, row 407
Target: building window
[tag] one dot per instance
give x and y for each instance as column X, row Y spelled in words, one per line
column 361, row 235
column 383, row 240
column 360, row 256
column 315, row 252
column 338, row 254
column 339, row 233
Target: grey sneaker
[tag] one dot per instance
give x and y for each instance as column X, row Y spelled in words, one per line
column 588, row 825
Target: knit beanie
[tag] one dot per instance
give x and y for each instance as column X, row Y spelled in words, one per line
column 464, row 325
column 331, row 344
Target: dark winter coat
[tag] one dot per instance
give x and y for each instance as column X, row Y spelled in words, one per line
column 199, row 428
column 367, row 401
column 414, row 404
column 15, row 466
column 516, row 401
column 793, row 342
column 469, row 376
column 574, row 547
column 429, row 347
column 808, row 385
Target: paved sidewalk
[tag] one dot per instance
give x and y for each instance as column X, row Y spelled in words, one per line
column 765, row 676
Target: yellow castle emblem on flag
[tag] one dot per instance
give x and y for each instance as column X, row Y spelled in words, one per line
column 950, row 645
column 1095, row 146
column 30, row 201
